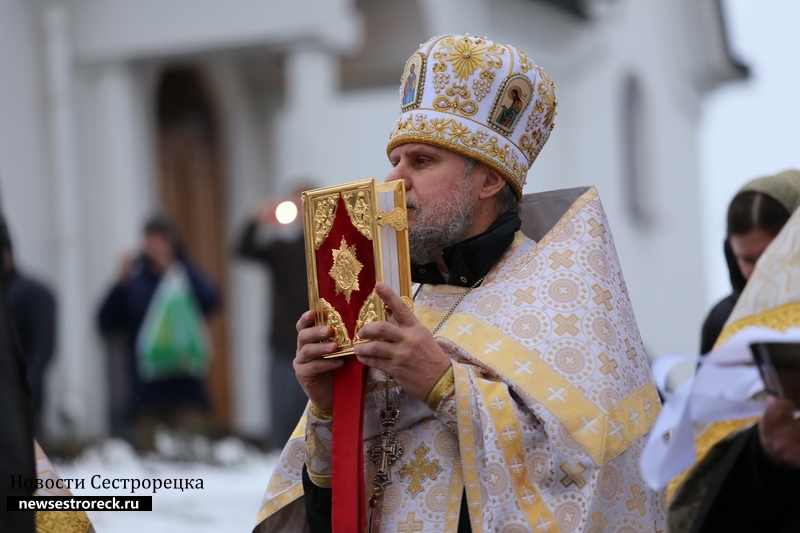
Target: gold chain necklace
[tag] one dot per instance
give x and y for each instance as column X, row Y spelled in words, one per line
column 386, row 449
column 452, row 307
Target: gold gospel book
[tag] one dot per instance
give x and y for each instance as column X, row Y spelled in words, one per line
column 356, row 235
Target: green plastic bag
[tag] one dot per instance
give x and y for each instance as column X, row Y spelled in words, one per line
column 173, row 340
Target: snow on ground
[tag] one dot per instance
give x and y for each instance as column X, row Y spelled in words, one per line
column 234, row 479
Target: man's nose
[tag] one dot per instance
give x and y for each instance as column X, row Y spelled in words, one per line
column 398, row 174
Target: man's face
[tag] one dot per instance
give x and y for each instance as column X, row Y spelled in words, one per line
column 158, row 249
column 441, row 200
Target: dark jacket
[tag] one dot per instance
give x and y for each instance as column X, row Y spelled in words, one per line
column 124, row 309
column 33, row 313
column 719, row 314
column 16, row 427
column 287, row 261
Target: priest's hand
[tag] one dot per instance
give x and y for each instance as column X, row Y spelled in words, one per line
column 407, row 350
column 779, row 432
column 313, row 372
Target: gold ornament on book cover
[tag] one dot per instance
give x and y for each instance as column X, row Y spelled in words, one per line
column 356, row 235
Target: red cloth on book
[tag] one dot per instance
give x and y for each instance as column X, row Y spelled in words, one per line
column 348, row 504
column 349, row 382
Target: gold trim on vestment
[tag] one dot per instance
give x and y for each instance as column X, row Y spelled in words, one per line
column 603, row 435
column 780, row 319
column 56, row 521
column 291, row 493
column 62, row 521
column 279, row 501
column 512, row 445
column 325, row 482
column 466, row 443
column 443, row 388
column 322, row 414
column 454, row 497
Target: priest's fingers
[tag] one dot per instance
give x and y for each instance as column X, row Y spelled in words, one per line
column 377, row 349
column 308, row 370
column 306, row 321
column 310, row 345
column 314, row 350
column 380, row 330
column 400, row 311
column 415, row 377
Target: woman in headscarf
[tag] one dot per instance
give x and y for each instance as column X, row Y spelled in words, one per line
column 755, row 216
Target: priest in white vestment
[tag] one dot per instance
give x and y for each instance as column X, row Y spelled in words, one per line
column 523, row 390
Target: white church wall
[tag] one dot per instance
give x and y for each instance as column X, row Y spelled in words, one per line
column 24, row 180
column 116, row 167
column 75, row 390
column 662, row 261
column 357, row 142
column 248, row 179
column 121, row 29
column 589, row 65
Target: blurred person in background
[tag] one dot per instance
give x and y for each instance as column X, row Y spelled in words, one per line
column 755, row 216
column 27, row 317
column 32, row 308
column 16, row 420
column 173, row 398
column 275, row 239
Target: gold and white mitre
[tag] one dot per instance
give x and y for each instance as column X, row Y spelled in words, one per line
column 553, row 398
column 478, row 98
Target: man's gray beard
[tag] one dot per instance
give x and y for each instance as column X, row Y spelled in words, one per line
column 439, row 225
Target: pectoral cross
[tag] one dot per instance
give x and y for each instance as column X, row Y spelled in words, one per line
column 385, row 450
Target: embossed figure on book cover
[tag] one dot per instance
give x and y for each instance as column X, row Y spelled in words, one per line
column 356, row 235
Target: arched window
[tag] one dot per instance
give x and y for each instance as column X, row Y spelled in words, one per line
column 635, row 173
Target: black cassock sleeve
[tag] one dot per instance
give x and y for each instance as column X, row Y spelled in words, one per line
column 17, row 461
column 318, row 505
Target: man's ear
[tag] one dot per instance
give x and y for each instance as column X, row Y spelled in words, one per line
column 492, row 183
